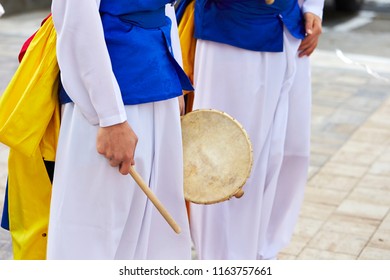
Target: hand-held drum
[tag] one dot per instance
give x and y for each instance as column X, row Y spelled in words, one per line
column 217, row 156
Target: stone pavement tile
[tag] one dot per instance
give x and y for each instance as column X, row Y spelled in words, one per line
column 3, row 176
column 381, row 239
column 380, row 168
column 320, row 113
column 353, row 79
column 329, row 181
column 372, row 134
column 297, row 244
column 307, row 227
column 339, row 242
column 356, row 208
column 371, row 196
column 351, row 225
column 320, row 97
column 313, row 170
column 365, row 101
column 23, row 24
column 385, row 156
column 381, row 118
column 332, row 92
column 375, row 182
column 4, row 150
column 325, row 196
column 385, row 225
column 345, row 169
column 9, row 50
column 380, row 121
column 318, row 159
column 340, row 130
column 3, row 171
column 325, row 143
column 372, row 253
column 343, row 115
column 358, row 153
column 316, row 211
column 285, row 256
column 5, row 245
column 317, row 254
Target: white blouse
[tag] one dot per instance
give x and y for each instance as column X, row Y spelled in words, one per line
column 313, row 6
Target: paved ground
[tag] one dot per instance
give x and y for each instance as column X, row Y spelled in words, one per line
column 345, row 214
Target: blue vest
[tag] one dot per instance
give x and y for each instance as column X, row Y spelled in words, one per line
column 138, row 39
column 248, row 24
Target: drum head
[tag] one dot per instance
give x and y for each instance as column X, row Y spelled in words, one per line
column 217, row 156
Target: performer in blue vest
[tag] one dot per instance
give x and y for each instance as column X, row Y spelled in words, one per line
column 121, row 89
column 252, row 62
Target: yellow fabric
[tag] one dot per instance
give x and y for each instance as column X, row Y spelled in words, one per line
column 29, row 125
column 188, row 44
column 186, row 28
column 29, row 191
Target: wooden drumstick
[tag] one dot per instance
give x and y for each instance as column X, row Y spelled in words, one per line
column 269, row 2
column 153, row 198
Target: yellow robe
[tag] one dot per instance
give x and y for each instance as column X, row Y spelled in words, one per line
column 29, row 125
column 188, row 44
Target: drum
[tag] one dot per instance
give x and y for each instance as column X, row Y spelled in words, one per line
column 217, row 156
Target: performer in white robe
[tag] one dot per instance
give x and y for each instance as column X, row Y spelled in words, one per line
column 266, row 86
column 98, row 212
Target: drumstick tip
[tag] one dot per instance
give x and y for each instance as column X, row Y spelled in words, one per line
column 178, row 230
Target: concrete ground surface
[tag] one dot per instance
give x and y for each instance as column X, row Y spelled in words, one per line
column 345, row 214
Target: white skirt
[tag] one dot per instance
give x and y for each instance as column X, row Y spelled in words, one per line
column 97, row 213
column 270, row 95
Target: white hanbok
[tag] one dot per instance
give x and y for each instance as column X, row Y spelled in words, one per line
column 270, row 95
column 97, row 213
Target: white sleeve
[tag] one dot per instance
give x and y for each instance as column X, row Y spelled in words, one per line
column 84, row 61
column 1, row 10
column 313, row 6
column 175, row 41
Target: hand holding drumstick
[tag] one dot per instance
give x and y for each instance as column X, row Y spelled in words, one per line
column 113, row 143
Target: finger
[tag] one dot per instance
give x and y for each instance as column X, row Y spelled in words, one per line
column 100, row 149
column 305, row 51
column 114, row 162
column 124, row 167
column 308, row 51
column 304, row 45
column 310, row 42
